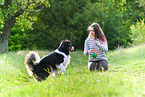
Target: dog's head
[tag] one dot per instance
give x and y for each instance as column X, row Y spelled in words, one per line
column 66, row 46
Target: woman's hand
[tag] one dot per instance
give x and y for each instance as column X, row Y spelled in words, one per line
column 89, row 51
column 95, row 42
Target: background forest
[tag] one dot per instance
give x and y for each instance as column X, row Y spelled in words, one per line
column 121, row 20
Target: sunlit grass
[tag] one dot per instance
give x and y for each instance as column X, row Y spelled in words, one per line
column 125, row 77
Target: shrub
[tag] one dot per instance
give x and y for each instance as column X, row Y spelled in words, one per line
column 16, row 41
column 138, row 32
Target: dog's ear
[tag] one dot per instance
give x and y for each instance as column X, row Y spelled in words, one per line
column 62, row 43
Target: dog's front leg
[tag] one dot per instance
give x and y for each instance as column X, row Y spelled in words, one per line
column 62, row 68
column 54, row 73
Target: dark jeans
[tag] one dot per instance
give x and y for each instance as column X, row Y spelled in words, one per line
column 98, row 65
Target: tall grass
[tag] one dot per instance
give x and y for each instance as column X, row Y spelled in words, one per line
column 125, row 77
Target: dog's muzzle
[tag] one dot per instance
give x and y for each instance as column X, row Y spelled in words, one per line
column 71, row 49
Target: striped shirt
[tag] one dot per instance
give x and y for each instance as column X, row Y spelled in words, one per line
column 101, row 48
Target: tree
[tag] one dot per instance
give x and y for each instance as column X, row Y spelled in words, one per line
column 70, row 19
column 64, row 19
column 141, row 3
column 10, row 10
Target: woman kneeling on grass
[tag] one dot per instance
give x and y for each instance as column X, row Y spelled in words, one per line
column 96, row 46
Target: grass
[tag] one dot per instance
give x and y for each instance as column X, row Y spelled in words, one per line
column 125, row 77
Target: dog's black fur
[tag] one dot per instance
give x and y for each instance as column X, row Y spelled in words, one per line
column 58, row 59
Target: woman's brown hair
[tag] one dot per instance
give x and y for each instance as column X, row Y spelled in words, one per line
column 99, row 33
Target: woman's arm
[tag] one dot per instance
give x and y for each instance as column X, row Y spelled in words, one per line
column 86, row 48
column 102, row 45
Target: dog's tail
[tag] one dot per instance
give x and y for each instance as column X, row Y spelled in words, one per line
column 30, row 61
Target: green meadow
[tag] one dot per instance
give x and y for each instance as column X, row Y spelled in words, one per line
column 125, row 78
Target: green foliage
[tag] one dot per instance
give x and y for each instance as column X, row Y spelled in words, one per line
column 116, row 19
column 24, row 22
column 62, row 20
column 141, row 3
column 67, row 19
column 138, row 32
column 16, row 41
column 1, row 22
column 125, row 77
column 110, row 17
column 70, row 19
column 10, row 10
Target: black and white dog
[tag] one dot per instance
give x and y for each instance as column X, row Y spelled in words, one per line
column 49, row 64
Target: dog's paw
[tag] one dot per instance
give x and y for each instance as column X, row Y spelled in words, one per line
column 64, row 72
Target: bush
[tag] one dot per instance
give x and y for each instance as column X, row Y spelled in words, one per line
column 138, row 32
column 63, row 20
column 69, row 19
column 16, row 41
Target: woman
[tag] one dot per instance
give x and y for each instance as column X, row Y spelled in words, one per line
column 96, row 46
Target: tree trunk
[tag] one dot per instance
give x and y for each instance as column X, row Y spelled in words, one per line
column 9, row 22
column 4, row 37
column 3, row 43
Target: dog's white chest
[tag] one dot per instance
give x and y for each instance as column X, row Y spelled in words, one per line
column 66, row 61
column 66, row 58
